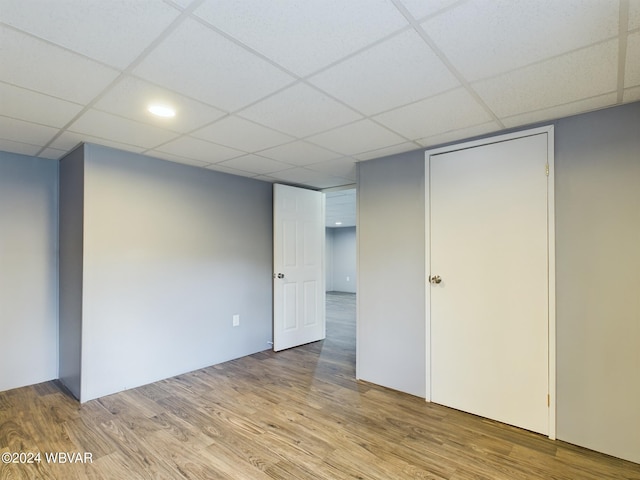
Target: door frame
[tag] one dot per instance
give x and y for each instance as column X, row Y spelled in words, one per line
column 551, row 260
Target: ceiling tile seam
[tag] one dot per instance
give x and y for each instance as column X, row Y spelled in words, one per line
column 414, row 142
column 299, row 79
column 342, row 154
column 261, row 152
column 243, row 45
column 151, row 153
column 123, row 73
column 218, row 120
column 439, row 12
column 98, row 137
column 422, row 139
column 30, row 122
column 283, row 68
column 61, row 47
column 623, row 28
column 240, row 172
column 289, row 165
column 545, row 59
column 357, row 52
column 176, row 5
column 443, row 58
column 139, row 122
column 21, row 87
column 242, row 154
column 175, row 92
column 237, row 112
column 566, row 104
column 21, row 143
column 335, row 99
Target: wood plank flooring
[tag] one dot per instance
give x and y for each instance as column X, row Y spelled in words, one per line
column 297, row 414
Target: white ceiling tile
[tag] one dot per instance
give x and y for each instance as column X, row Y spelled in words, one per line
column 36, row 107
column 303, row 35
column 25, row 132
column 632, row 64
column 196, row 149
column 486, row 37
column 634, row 14
column 396, row 72
column 439, row 114
column 175, row 158
column 421, row 8
column 255, row 164
column 266, row 178
column 218, row 167
column 37, row 65
column 7, row 145
column 69, row 140
column 198, row 62
column 562, row 110
column 242, row 134
column 356, row 137
column 460, row 134
column 340, row 167
column 328, row 181
column 383, row 152
column 83, row 26
column 631, row 95
column 131, row 97
column 182, row 3
column 296, row 175
column 52, row 153
column 304, row 176
column 574, row 76
column 300, row 111
column 94, row 122
column 299, row 153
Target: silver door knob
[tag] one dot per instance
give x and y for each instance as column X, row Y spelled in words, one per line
column 281, row 275
column 435, row 279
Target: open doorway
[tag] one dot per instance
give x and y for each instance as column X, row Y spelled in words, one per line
column 340, row 256
column 340, row 272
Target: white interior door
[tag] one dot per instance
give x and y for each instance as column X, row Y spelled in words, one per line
column 298, row 257
column 489, row 290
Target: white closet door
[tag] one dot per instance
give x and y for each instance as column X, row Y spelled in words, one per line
column 489, row 281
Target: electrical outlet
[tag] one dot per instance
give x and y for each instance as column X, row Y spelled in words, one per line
column 236, row 320
column 347, row 279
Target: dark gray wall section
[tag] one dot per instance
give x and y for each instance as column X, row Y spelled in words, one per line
column 342, row 262
column 597, row 168
column 391, row 264
column 28, row 270
column 171, row 253
column 598, row 280
column 70, row 268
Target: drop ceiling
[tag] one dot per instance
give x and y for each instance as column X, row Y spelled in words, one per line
column 298, row 91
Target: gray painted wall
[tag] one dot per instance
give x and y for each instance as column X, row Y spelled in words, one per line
column 598, row 280
column 70, row 268
column 597, row 166
column 328, row 255
column 28, row 270
column 341, row 259
column 171, row 252
column 391, row 264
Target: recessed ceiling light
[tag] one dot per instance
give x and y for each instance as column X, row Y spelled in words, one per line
column 162, row 110
column 338, row 223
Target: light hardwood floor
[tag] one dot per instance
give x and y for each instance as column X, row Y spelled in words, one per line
column 298, row 414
